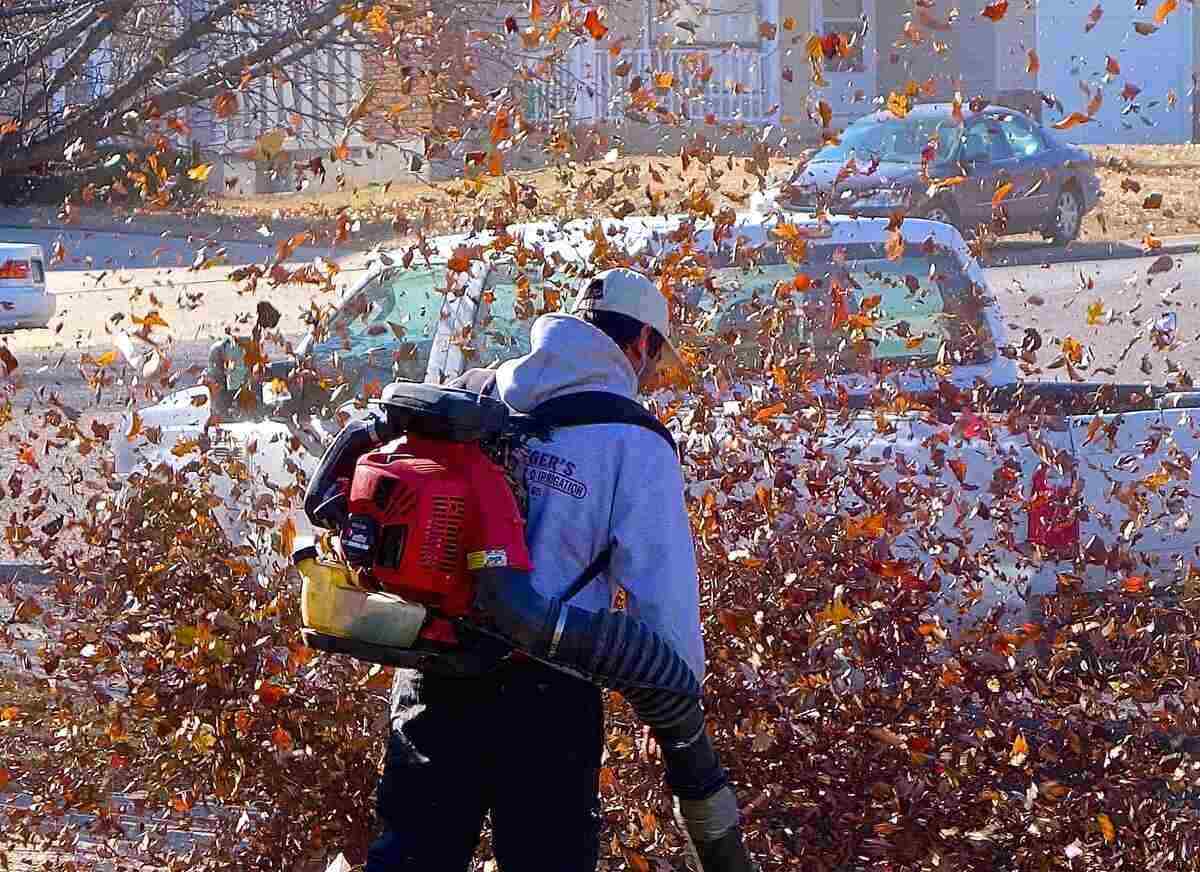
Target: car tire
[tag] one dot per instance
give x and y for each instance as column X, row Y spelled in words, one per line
column 942, row 209
column 1067, row 219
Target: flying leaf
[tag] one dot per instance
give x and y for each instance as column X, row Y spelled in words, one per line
column 1001, row 192
column 1111, row 66
column 594, row 25
column 1032, row 64
column 769, row 412
column 1093, row 18
column 835, row 613
column 898, row 104
column 1072, row 120
column 199, row 173
column 894, row 247
column 1153, row 201
column 1096, row 315
column 995, row 11
column 535, row 10
column 1144, row 28
column 225, row 104
column 1165, row 8
column 1020, row 750
column 1105, row 822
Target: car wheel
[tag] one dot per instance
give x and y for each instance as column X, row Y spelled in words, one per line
column 943, row 211
column 1068, row 217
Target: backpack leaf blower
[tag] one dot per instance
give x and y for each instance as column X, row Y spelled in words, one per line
column 435, row 575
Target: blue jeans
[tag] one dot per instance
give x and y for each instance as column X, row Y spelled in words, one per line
column 523, row 743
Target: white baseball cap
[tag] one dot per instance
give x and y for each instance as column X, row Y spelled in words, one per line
column 630, row 293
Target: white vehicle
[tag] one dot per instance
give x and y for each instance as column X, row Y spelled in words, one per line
column 24, row 300
column 1003, row 504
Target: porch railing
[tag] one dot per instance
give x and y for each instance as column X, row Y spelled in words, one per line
column 730, row 83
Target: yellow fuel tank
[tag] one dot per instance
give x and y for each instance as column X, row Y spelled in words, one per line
column 333, row 603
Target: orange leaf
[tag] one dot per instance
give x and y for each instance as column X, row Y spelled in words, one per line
column 769, row 412
column 1001, row 192
column 1111, row 66
column 1032, row 65
column 287, row 538
column 1165, row 8
column 995, row 11
column 5, row 778
column 1105, row 822
column 894, row 247
column 1072, row 120
column 535, row 10
column 271, row 694
column 868, row 527
column 594, row 25
column 460, row 261
column 281, row 739
column 199, row 173
column 664, row 80
column 225, row 104
column 898, row 104
column 135, row 427
column 1020, row 750
column 1134, row 584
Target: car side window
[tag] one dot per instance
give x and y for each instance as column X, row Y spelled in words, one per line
column 512, row 301
column 1022, row 139
column 386, row 329
column 984, row 142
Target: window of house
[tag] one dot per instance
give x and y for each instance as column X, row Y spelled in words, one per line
column 844, row 18
column 716, row 21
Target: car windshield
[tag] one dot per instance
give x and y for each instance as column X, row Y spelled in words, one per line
column 388, row 325
column 851, row 307
column 895, row 140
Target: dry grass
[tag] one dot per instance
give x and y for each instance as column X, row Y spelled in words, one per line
column 573, row 190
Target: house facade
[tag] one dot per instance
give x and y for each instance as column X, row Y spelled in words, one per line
column 669, row 69
column 731, row 61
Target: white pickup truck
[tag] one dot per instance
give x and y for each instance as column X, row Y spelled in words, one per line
column 1006, row 498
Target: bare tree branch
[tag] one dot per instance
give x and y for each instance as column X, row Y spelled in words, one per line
column 205, row 84
column 97, row 32
column 50, row 46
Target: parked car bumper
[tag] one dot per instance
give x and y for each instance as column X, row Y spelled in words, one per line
column 22, row 308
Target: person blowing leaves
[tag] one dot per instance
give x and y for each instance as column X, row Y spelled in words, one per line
column 606, row 509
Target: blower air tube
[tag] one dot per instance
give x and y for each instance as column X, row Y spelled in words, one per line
column 620, row 652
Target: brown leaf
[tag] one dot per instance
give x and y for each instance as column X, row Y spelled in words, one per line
column 1106, row 825
column 1001, row 192
column 1032, row 64
column 1093, row 18
column 1163, row 263
column 1111, row 66
column 1145, row 28
column 894, row 247
column 1153, row 201
column 996, row 10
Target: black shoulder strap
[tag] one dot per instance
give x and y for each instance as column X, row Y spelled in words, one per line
column 599, row 407
column 600, row 564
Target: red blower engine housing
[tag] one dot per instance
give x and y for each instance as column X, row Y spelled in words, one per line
column 423, row 513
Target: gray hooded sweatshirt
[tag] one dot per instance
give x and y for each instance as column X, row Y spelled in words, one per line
column 600, row 484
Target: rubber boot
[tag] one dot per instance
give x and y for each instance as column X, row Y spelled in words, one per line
column 711, row 851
